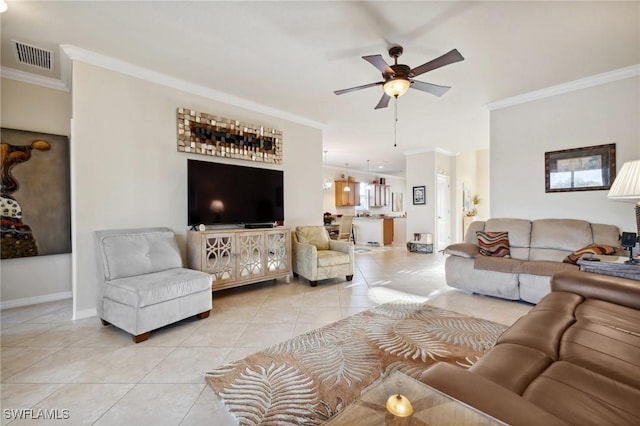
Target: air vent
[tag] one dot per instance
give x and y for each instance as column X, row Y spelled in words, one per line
column 33, row 55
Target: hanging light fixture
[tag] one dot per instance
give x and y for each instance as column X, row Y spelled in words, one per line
column 346, row 173
column 368, row 176
column 395, row 123
column 396, row 86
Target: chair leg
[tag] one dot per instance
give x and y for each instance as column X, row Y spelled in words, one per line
column 203, row 315
column 141, row 337
column 349, row 277
column 104, row 322
column 313, row 283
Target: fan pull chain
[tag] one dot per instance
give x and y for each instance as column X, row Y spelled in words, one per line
column 395, row 122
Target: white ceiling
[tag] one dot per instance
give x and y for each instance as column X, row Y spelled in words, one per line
column 291, row 56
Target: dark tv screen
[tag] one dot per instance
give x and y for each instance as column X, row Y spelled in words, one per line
column 221, row 194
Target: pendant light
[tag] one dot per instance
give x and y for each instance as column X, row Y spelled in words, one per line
column 368, row 176
column 346, row 174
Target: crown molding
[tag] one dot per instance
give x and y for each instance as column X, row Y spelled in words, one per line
column 78, row 54
column 38, row 80
column 425, row 150
column 583, row 83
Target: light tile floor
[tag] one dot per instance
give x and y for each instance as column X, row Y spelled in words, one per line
column 96, row 375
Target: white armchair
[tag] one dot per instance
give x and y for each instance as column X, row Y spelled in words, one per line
column 317, row 257
column 142, row 285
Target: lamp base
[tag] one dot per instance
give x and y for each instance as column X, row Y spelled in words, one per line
column 632, row 262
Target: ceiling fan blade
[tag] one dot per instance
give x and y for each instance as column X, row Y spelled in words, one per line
column 446, row 59
column 353, row 89
column 434, row 89
column 383, row 102
column 378, row 62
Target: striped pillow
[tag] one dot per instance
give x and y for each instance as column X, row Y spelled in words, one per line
column 592, row 249
column 494, row 243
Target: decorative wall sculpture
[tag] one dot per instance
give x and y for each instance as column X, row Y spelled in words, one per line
column 35, row 199
column 207, row 134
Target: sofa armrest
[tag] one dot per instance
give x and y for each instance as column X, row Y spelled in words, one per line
column 305, row 259
column 463, row 250
column 621, row 291
column 486, row 396
column 342, row 246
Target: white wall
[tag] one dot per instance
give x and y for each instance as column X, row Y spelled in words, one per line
column 422, row 169
column 521, row 134
column 465, row 174
column 35, row 279
column 483, row 183
column 128, row 172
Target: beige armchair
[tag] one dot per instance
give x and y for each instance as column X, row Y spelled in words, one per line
column 317, row 257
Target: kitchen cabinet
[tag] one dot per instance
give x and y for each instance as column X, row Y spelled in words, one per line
column 379, row 195
column 347, row 198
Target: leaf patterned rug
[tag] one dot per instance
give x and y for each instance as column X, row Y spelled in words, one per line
column 311, row 377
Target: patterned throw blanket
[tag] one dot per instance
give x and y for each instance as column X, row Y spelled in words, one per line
column 313, row 376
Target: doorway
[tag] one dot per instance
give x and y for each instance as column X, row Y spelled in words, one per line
column 443, row 212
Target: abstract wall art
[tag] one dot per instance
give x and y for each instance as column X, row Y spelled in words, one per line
column 35, row 199
column 207, row 134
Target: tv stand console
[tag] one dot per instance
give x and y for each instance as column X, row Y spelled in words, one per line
column 237, row 257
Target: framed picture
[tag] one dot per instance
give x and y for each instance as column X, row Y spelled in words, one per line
column 396, row 201
column 592, row 168
column 419, row 195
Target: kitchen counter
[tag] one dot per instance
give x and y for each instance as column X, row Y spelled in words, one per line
column 374, row 230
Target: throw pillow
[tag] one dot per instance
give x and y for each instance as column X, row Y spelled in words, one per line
column 494, row 243
column 590, row 249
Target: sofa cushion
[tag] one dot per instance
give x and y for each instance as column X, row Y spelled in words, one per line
column 590, row 249
column 127, row 255
column 498, row 366
column 332, row 258
column 314, row 235
column 582, row 397
column 148, row 289
column 519, row 230
column 560, row 234
column 541, row 330
column 493, row 243
column 606, row 234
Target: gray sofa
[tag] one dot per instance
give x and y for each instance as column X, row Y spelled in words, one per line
column 537, row 248
column 142, row 285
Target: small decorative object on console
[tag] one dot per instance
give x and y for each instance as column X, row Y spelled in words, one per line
column 628, row 241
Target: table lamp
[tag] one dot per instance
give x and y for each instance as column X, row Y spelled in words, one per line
column 626, row 187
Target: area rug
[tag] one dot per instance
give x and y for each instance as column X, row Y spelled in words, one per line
column 308, row 379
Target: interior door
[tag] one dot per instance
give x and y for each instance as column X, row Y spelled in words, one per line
column 443, row 211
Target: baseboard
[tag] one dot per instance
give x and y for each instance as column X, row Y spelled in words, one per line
column 15, row 303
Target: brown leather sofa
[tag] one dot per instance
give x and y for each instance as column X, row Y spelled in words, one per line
column 573, row 359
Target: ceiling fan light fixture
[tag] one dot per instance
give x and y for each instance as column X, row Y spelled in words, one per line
column 396, row 86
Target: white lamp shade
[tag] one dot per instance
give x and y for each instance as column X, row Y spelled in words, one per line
column 626, row 186
column 396, row 86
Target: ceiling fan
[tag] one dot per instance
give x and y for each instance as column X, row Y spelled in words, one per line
column 398, row 78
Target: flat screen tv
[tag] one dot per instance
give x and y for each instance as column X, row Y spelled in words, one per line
column 225, row 194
